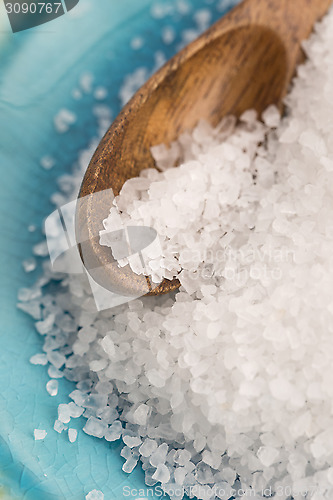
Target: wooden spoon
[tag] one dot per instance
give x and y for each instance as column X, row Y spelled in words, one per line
column 245, row 60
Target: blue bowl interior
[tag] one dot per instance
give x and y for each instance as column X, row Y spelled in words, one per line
column 39, row 70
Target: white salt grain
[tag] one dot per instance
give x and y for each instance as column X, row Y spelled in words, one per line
column 40, row 249
column 56, row 358
column 114, row 432
column 76, row 94
column 182, row 457
column 53, row 372
column 108, row 346
column 281, row 389
column 129, row 465
column 132, row 83
column 100, row 93
column 155, row 378
column 183, row 7
column 75, row 410
column 159, row 10
column 39, row 434
column 45, row 326
column 132, row 441
column 98, row 365
column 168, row 35
column 59, row 426
column 64, row 414
column 268, row 455
column 72, row 435
column 141, row 414
column 162, row 474
column 39, row 359
column 29, row 265
column 28, row 294
column 52, row 387
column 159, row 455
column 63, row 120
column 47, row 162
column 271, row 116
column 86, row 82
column 137, row 43
column 95, row 427
column 148, row 447
column 213, row 330
column 95, row 495
column 212, row 459
column 202, row 18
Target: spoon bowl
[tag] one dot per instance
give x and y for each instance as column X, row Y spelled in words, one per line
column 244, row 61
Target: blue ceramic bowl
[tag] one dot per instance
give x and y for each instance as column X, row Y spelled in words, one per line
column 40, row 67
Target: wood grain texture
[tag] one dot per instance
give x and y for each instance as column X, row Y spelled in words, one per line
column 245, row 60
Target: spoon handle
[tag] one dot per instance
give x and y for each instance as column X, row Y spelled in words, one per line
column 291, row 20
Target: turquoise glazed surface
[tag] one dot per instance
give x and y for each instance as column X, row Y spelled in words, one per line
column 40, row 68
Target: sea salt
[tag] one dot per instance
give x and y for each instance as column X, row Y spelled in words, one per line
column 159, row 10
column 137, row 43
column 86, row 82
column 39, row 434
column 159, row 455
column 129, row 465
column 268, row 455
column 95, row 427
column 271, row 116
column 168, row 35
column 52, row 387
column 162, row 474
column 72, row 435
column 45, row 326
column 63, row 120
column 132, row 83
column 39, row 359
column 225, row 382
column 59, row 426
column 29, row 265
column 95, row 495
column 100, row 93
column 40, row 249
column 54, row 372
column 47, row 162
column 140, row 415
column 203, row 18
column 75, row 410
column 183, row 7
column 64, row 414
column 114, row 432
column 56, row 358
column 108, row 346
column 148, row 447
column 132, row 441
column 76, row 94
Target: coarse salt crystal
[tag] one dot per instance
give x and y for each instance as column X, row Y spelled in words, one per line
column 63, row 120
column 228, row 378
column 52, row 387
column 39, row 434
column 39, row 359
column 47, row 162
column 72, row 435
